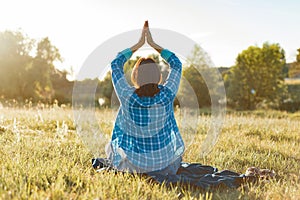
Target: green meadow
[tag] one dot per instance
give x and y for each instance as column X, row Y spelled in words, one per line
column 42, row 157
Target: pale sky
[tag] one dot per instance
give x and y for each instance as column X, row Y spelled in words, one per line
column 222, row 27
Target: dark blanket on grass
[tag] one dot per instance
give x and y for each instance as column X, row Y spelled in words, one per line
column 191, row 175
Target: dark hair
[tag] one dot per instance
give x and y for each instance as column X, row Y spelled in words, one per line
column 146, row 76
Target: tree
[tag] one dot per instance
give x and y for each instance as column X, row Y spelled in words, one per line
column 257, row 77
column 198, row 86
column 200, row 78
column 22, row 75
column 62, row 87
column 298, row 56
column 105, row 89
column 42, row 69
column 294, row 70
column 15, row 62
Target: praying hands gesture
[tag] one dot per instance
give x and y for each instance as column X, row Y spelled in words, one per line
column 146, row 34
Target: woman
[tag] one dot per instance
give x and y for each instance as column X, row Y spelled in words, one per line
column 145, row 137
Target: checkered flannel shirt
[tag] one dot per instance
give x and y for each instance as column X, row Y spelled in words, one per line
column 145, row 130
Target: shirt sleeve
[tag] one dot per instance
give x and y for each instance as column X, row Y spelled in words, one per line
column 173, row 80
column 122, row 88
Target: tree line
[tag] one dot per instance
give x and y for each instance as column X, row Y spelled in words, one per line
column 257, row 80
column 27, row 70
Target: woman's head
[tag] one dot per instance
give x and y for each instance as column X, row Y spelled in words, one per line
column 146, row 76
column 145, row 71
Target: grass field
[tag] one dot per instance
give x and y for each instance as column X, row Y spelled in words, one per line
column 42, row 157
column 295, row 81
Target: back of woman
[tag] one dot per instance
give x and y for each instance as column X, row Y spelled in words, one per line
column 145, row 136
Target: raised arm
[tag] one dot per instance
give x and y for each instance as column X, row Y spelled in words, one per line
column 120, row 83
column 150, row 39
column 123, row 89
column 141, row 42
column 174, row 77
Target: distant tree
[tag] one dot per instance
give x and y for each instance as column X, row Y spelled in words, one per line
column 294, row 70
column 62, row 87
column 15, row 62
column 42, row 68
column 105, row 89
column 23, row 75
column 257, row 77
column 202, row 78
column 198, row 86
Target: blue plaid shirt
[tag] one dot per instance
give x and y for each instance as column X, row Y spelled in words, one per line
column 145, row 130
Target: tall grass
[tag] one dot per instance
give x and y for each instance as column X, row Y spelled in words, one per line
column 42, row 157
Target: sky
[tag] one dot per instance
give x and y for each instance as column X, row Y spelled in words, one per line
column 223, row 28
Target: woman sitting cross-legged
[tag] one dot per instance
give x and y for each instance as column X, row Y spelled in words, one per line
column 145, row 137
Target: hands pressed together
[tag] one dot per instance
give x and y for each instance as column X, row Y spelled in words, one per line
column 146, row 35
